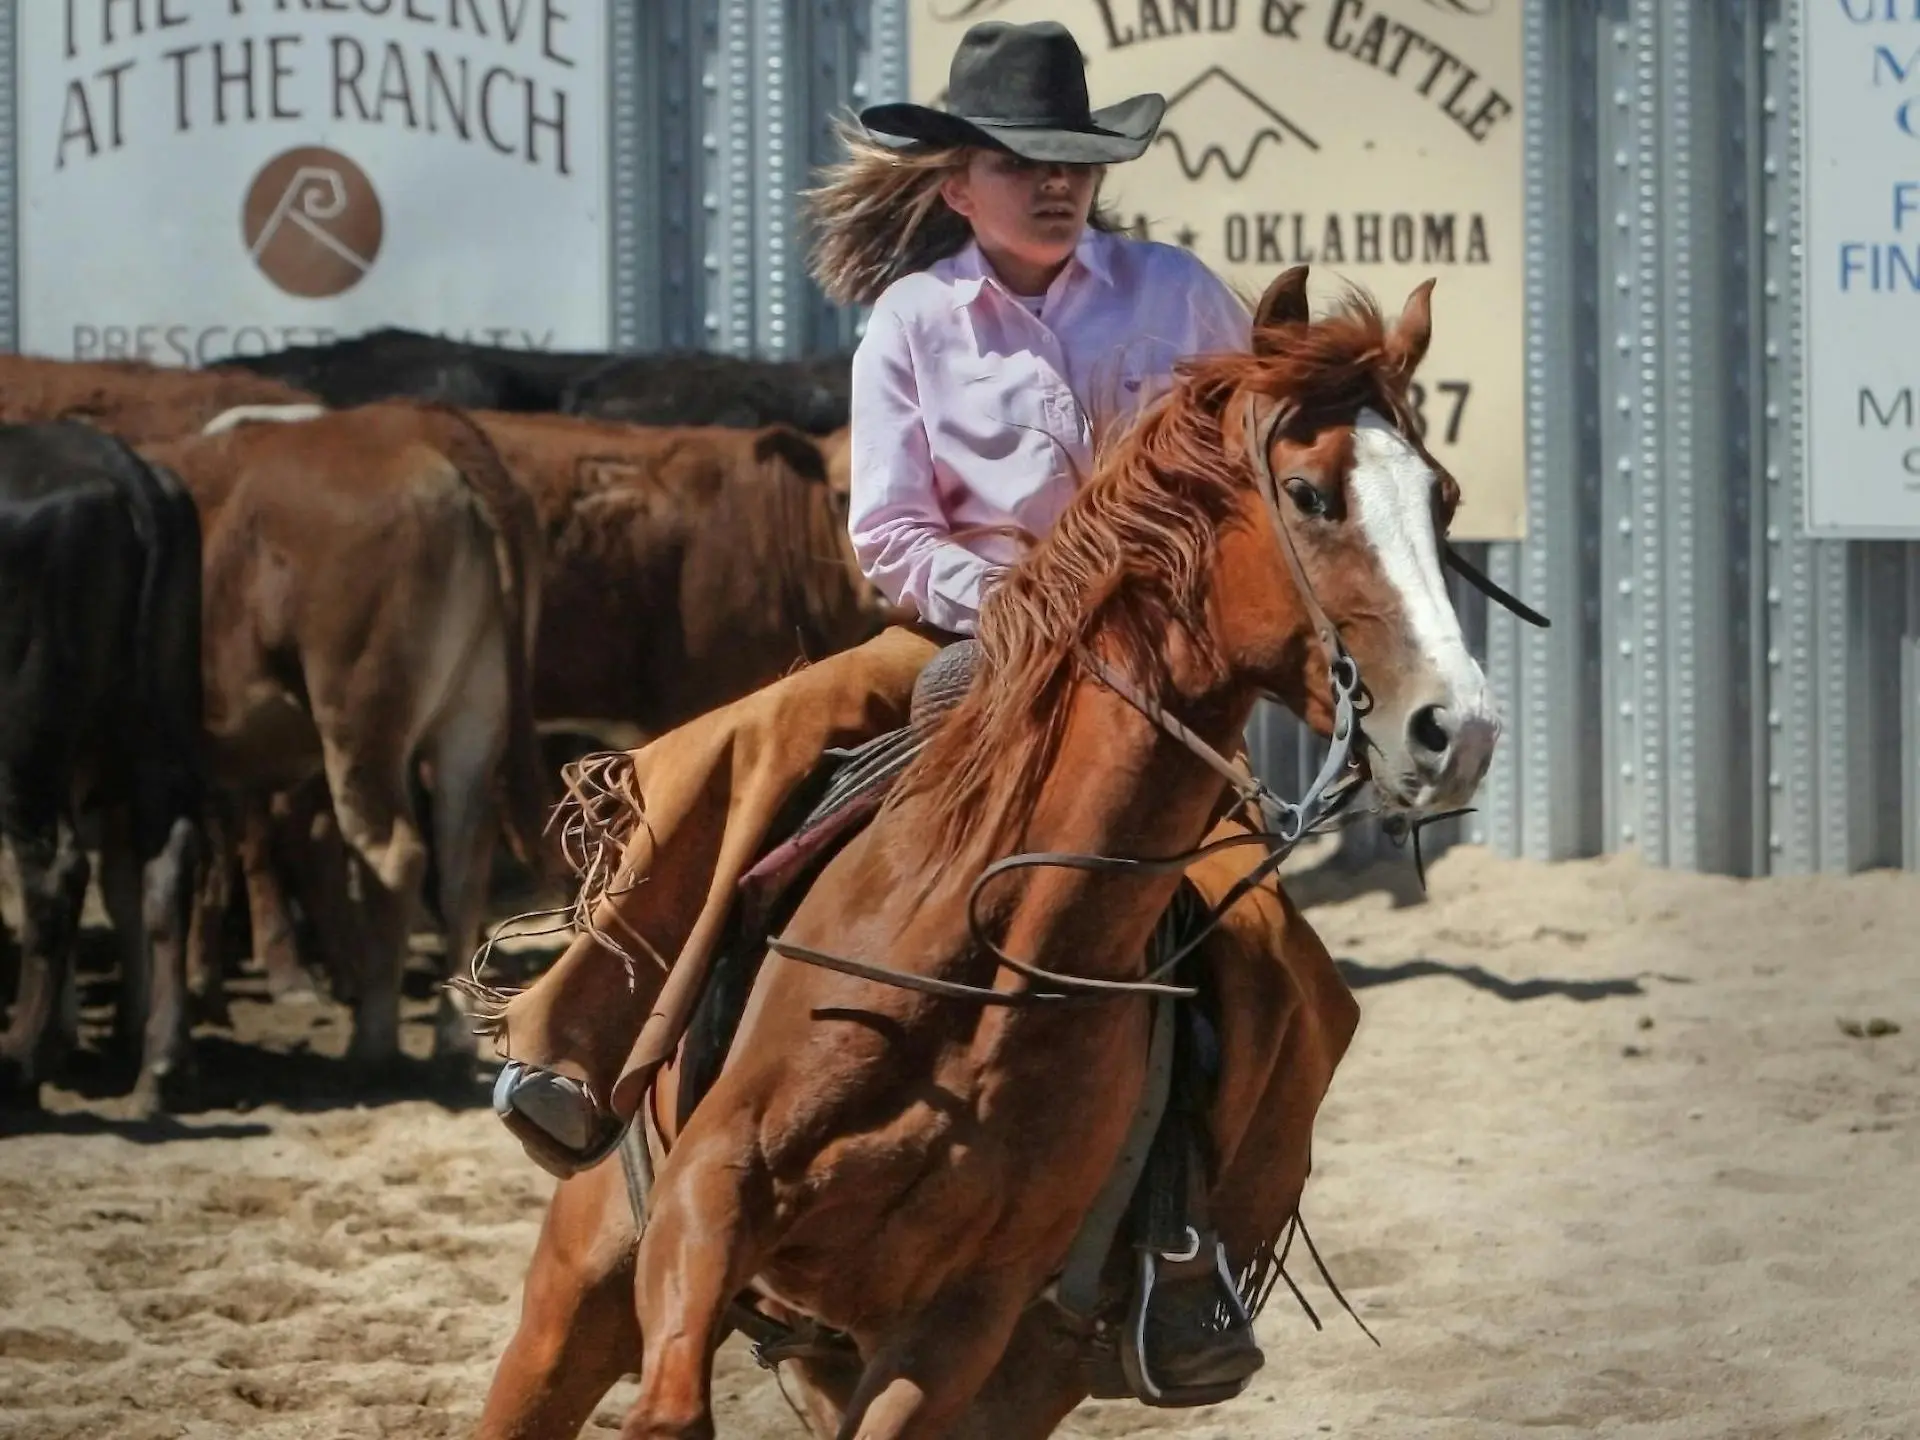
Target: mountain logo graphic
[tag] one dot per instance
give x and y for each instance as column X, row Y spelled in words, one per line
column 1216, row 117
column 312, row 222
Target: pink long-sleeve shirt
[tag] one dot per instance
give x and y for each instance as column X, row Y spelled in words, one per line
column 975, row 410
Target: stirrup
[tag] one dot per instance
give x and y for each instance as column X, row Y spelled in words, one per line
column 1194, row 1260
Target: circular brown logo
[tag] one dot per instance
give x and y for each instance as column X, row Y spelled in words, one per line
column 312, row 222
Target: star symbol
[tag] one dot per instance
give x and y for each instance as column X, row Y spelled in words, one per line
column 1186, row 236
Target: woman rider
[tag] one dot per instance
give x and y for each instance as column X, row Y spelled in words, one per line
column 1011, row 324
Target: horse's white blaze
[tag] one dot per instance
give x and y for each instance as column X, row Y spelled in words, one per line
column 1392, row 491
column 250, row 414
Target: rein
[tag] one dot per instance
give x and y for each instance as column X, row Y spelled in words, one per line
column 1286, row 822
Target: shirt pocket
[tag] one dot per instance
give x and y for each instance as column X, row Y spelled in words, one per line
column 1132, row 375
column 999, row 406
column 1146, row 371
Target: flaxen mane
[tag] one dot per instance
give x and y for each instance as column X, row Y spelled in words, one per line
column 1129, row 561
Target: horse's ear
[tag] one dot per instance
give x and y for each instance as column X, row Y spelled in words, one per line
column 1285, row 303
column 1414, row 330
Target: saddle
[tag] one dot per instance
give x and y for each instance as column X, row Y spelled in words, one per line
column 1158, row 1186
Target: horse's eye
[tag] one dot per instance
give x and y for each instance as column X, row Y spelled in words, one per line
column 1306, row 498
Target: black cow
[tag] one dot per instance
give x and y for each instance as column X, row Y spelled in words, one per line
column 393, row 363
column 100, row 720
column 669, row 388
column 697, row 388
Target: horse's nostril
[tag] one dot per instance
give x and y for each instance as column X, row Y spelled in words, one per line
column 1429, row 733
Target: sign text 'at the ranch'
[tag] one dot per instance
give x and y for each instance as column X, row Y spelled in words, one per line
column 413, row 79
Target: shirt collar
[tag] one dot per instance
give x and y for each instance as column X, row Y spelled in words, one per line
column 971, row 272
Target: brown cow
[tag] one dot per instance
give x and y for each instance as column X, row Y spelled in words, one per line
column 686, row 567
column 130, row 398
column 371, row 587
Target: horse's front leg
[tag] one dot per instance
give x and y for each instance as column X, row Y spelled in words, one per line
column 707, row 1231
column 576, row 1335
column 922, row 1381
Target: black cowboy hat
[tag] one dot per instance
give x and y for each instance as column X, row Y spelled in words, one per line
column 1023, row 88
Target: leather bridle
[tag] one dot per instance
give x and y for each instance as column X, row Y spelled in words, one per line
column 1284, row 823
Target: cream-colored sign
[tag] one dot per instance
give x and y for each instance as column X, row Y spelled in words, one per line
column 1378, row 141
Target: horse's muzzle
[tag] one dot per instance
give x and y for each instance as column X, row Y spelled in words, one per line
column 1449, row 750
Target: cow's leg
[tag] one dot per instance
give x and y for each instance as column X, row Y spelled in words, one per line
column 206, row 936
column 52, row 873
column 169, row 880
column 369, row 791
column 316, row 858
column 120, row 894
column 169, row 845
column 275, row 944
column 465, row 750
column 577, row 1333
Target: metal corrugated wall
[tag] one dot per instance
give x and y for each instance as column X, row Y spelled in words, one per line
column 1718, row 692
column 722, row 109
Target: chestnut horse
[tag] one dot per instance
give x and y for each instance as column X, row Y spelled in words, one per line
column 909, row 1169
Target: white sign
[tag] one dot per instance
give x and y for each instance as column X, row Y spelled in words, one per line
column 1861, row 116
column 200, row 178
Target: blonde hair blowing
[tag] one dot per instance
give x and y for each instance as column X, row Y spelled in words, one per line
column 878, row 215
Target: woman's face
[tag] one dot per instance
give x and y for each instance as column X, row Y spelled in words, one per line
column 1029, row 212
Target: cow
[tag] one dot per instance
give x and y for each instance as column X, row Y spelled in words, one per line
column 100, row 718
column 395, row 363
column 686, row 566
column 664, row 388
column 372, row 583
column 812, row 395
column 134, row 400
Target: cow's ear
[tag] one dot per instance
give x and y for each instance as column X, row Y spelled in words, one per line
column 800, row 453
column 837, row 450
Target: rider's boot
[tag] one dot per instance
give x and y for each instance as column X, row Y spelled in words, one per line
column 1188, row 1339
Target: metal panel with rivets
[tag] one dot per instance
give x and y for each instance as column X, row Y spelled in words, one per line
column 1543, row 801
column 9, row 183
column 1754, row 690
column 1718, row 691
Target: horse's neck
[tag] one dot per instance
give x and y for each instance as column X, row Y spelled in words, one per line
column 1121, row 786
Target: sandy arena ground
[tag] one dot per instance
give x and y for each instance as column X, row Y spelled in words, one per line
column 1604, row 1160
